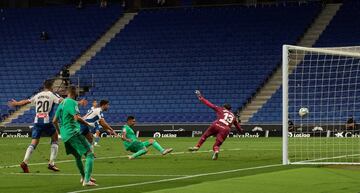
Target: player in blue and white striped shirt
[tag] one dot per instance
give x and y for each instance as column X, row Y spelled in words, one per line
column 44, row 103
column 95, row 116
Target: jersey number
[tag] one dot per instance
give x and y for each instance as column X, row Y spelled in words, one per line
column 228, row 119
column 42, row 106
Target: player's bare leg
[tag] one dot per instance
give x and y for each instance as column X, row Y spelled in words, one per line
column 97, row 138
column 29, row 151
column 53, row 152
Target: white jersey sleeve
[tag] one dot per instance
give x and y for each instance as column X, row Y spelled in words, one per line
column 32, row 100
column 94, row 115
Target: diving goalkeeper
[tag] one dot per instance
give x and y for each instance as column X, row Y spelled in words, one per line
column 219, row 128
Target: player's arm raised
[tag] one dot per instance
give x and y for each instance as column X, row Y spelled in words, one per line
column 205, row 101
column 106, row 126
column 15, row 103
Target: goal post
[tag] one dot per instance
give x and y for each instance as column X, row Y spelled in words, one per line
column 326, row 81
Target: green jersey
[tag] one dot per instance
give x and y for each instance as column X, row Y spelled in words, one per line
column 65, row 113
column 130, row 134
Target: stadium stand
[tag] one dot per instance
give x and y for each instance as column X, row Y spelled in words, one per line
column 152, row 67
column 340, row 32
column 26, row 61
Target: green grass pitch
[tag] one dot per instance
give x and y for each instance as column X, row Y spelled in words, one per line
column 246, row 165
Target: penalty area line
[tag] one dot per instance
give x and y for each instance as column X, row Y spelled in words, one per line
column 178, row 178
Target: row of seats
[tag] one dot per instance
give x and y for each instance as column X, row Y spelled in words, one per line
column 26, row 60
column 329, row 88
column 167, row 54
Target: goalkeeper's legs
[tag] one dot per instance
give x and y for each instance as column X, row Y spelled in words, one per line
column 209, row 132
column 220, row 138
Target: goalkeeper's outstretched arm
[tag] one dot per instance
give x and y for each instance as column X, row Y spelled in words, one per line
column 205, row 101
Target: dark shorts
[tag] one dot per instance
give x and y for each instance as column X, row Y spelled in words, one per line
column 39, row 130
column 84, row 130
column 77, row 145
column 219, row 131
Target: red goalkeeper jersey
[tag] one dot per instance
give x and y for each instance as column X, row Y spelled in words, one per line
column 224, row 117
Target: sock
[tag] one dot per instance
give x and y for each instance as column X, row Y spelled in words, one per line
column 218, row 142
column 28, row 153
column 157, row 146
column 80, row 166
column 92, row 147
column 97, row 139
column 139, row 153
column 53, row 152
column 89, row 162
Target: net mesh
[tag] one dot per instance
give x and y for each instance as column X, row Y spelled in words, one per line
column 326, row 82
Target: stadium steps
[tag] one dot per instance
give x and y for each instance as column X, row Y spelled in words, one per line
column 98, row 45
column 309, row 38
column 83, row 59
column 16, row 114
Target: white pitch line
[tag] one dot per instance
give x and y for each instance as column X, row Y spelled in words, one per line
column 325, row 158
column 176, row 179
column 101, row 175
column 125, row 156
column 43, row 143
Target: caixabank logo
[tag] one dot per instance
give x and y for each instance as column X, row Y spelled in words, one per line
column 245, row 135
column 14, row 134
column 347, row 135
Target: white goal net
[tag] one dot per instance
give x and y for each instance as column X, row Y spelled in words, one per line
column 326, row 82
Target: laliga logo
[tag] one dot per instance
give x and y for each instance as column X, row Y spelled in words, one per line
column 299, row 135
column 157, row 135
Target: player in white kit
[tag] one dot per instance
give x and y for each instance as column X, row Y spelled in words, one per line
column 95, row 116
column 44, row 103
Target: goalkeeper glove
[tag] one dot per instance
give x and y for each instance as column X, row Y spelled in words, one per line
column 198, row 93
